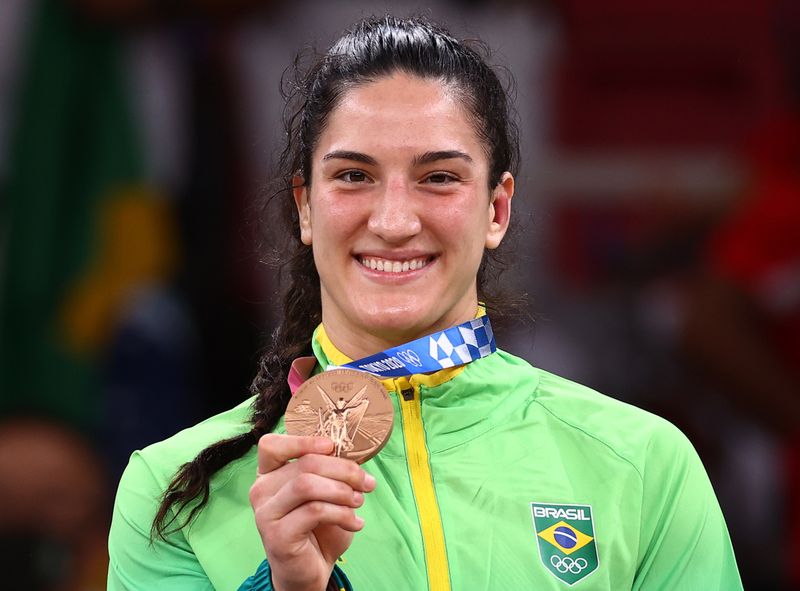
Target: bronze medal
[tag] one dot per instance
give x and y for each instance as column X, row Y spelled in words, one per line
column 351, row 407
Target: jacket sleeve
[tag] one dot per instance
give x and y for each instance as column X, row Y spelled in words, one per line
column 165, row 564
column 262, row 580
column 135, row 563
column 684, row 542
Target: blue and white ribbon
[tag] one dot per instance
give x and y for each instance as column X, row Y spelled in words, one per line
column 451, row 347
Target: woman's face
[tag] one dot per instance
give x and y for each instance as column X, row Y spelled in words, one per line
column 398, row 213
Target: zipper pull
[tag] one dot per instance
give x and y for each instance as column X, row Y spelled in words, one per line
column 408, row 394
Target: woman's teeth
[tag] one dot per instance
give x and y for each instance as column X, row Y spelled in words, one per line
column 388, row 266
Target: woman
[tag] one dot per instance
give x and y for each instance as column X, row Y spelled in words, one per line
column 497, row 475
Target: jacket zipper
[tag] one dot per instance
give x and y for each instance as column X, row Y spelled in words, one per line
column 422, row 485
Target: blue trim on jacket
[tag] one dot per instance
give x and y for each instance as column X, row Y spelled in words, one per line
column 262, row 579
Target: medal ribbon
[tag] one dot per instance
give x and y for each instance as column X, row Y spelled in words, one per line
column 451, row 347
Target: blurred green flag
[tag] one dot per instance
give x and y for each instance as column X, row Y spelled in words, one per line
column 73, row 150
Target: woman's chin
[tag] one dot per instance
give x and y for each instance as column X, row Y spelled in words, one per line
column 400, row 320
column 397, row 326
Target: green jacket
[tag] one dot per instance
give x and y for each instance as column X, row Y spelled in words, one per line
column 497, row 476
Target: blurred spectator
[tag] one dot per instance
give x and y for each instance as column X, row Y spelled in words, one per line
column 54, row 509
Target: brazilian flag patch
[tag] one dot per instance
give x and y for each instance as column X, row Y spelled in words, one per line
column 566, row 538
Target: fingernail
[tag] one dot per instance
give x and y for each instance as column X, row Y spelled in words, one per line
column 358, row 498
column 369, row 480
column 359, row 521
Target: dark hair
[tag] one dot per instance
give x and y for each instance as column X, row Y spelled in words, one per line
column 374, row 48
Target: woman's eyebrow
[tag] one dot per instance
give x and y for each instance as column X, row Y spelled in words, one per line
column 429, row 157
column 425, row 158
column 348, row 155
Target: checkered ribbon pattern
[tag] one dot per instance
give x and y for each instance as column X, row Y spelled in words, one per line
column 462, row 344
column 448, row 348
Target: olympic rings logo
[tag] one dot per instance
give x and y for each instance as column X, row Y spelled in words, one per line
column 567, row 564
column 410, row 357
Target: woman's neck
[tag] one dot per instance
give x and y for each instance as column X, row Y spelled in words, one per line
column 357, row 343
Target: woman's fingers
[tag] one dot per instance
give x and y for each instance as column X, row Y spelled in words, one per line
column 346, row 471
column 310, row 488
column 304, row 500
column 276, row 450
column 294, row 526
column 293, row 551
column 269, row 483
column 316, row 513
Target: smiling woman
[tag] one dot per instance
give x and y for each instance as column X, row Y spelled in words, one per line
column 399, row 209
column 397, row 187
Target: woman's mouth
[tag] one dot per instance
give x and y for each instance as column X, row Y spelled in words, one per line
column 393, row 266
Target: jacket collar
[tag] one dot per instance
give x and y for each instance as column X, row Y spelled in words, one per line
column 326, row 353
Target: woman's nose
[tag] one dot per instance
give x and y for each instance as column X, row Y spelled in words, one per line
column 394, row 217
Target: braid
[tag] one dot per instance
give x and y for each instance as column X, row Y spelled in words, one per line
column 291, row 340
column 301, row 313
column 192, row 481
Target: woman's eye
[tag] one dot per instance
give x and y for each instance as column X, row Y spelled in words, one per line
column 440, row 178
column 353, row 176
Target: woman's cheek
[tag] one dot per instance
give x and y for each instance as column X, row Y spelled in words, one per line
column 448, row 219
column 331, row 223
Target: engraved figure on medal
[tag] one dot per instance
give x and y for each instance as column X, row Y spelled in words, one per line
column 342, row 419
column 358, row 423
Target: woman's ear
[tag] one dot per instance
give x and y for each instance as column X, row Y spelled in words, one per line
column 500, row 210
column 300, row 193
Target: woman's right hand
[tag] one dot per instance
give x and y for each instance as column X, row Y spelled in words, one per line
column 304, row 509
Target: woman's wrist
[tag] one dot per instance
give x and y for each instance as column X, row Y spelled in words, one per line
column 337, row 581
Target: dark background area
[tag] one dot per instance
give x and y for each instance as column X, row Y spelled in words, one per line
column 658, row 204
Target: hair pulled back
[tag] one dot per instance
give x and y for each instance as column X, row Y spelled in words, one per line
column 373, row 49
